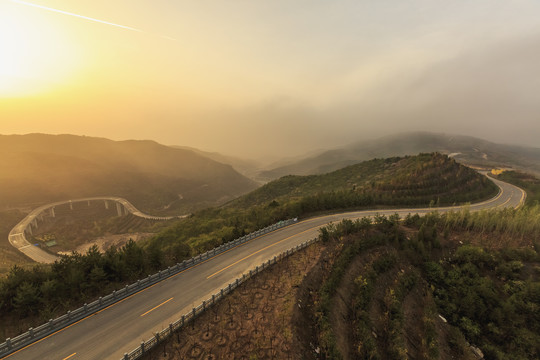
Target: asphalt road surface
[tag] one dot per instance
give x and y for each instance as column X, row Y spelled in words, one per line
column 120, row 328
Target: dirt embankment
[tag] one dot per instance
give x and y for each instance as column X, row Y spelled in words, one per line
column 254, row 322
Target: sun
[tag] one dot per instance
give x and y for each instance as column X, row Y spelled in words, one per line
column 34, row 55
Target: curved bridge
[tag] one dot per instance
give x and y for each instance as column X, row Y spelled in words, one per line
column 17, row 235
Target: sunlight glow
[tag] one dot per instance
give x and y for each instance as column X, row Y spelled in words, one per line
column 34, row 54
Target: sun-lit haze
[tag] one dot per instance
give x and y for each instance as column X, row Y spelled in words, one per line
column 270, row 77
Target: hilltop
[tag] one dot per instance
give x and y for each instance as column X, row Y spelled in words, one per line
column 40, row 168
column 465, row 149
column 422, row 180
column 408, row 180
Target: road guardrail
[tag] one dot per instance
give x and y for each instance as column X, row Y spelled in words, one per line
column 54, row 325
column 166, row 333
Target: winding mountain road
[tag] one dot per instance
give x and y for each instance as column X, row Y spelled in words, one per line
column 121, row 327
column 17, row 235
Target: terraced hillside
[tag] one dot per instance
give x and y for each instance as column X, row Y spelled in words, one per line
column 437, row 288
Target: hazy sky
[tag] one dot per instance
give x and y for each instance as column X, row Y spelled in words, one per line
column 277, row 77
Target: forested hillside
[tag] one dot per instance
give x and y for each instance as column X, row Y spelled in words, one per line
column 441, row 286
column 410, row 181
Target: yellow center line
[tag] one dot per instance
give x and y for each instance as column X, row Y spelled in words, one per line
column 70, row 356
column 522, row 200
column 506, row 202
column 154, row 308
column 258, row 251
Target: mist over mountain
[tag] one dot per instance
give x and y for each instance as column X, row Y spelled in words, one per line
column 466, row 149
column 247, row 167
column 39, row 168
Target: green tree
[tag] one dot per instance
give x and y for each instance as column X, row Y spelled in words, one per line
column 26, row 300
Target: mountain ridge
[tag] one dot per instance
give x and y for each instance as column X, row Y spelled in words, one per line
column 466, row 149
column 42, row 168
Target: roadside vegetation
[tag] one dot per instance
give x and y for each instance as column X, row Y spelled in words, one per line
column 30, row 296
column 388, row 288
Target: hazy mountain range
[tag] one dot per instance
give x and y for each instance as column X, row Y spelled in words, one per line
column 39, row 168
column 466, row 149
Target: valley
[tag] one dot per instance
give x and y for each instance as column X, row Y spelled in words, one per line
column 108, row 258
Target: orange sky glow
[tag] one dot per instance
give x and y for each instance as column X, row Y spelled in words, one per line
column 241, row 77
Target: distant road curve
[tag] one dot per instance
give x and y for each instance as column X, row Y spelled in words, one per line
column 17, row 235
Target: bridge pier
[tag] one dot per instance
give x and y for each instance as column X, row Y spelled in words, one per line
column 88, row 203
column 29, row 229
column 52, row 212
column 106, row 205
column 71, row 204
column 119, row 209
